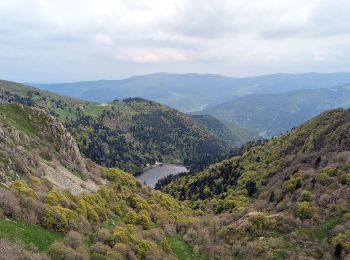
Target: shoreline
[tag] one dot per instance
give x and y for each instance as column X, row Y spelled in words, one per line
column 159, row 164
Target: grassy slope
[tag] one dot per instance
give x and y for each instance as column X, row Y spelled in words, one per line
column 182, row 250
column 30, row 235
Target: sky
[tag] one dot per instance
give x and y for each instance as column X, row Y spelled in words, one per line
column 66, row 40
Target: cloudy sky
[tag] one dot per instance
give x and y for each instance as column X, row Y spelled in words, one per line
column 66, row 40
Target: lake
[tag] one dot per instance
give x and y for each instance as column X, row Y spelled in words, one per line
column 152, row 175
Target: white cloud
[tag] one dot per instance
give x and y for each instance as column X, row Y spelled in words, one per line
column 235, row 37
column 151, row 55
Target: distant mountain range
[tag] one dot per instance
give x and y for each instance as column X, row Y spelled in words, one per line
column 193, row 92
column 273, row 114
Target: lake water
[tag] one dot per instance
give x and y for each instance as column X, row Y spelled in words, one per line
column 152, row 175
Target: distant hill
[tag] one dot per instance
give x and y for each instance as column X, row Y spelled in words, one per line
column 228, row 132
column 192, row 92
column 273, row 114
column 129, row 133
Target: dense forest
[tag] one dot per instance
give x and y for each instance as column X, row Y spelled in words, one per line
column 135, row 132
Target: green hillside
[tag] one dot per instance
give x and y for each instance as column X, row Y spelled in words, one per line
column 56, row 204
column 287, row 193
column 134, row 132
column 228, row 132
column 273, row 114
column 129, row 133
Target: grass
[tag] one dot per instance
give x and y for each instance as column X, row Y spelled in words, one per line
column 182, row 250
column 30, row 235
column 23, row 120
column 322, row 231
column 64, row 114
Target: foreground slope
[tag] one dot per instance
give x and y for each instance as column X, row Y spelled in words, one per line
column 129, row 133
column 273, row 114
column 56, row 204
column 290, row 192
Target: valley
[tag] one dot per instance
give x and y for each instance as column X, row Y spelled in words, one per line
column 174, row 130
column 292, row 190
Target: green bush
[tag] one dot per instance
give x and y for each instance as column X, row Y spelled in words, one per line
column 343, row 239
column 345, row 178
column 142, row 246
column 304, row 210
column 23, row 188
column 306, row 195
column 294, row 183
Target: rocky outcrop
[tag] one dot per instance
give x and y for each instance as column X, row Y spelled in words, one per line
column 36, row 144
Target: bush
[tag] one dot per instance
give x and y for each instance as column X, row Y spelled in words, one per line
column 165, row 246
column 142, row 246
column 345, row 178
column 73, row 239
column 130, row 217
column 324, row 174
column 99, row 249
column 23, row 188
column 306, row 195
column 304, row 210
column 144, row 221
column 58, row 251
column 294, row 183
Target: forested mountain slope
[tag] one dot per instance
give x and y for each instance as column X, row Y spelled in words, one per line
column 134, row 132
column 273, row 114
column 127, row 134
column 191, row 92
column 56, row 204
column 290, row 192
column 228, row 132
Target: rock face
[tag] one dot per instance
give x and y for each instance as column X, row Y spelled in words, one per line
column 64, row 142
column 33, row 143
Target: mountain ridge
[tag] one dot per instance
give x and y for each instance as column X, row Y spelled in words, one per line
column 190, row 92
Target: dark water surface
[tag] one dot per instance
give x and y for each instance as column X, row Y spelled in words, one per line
column 152, row 175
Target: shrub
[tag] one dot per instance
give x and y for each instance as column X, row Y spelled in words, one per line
column 306, row 195
column 294, row 183
column 251, row 188
column 73, row 239
column 23, row 188
column 130, row 217
column 142, row 246
column 99, row 248
column 58, row 251
column 120, row 235
column 144, row 221
column 35, row 181
column 345, row 178
column 304, row 210
column 165, row 246
column 324, row 174
column 341, row 241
